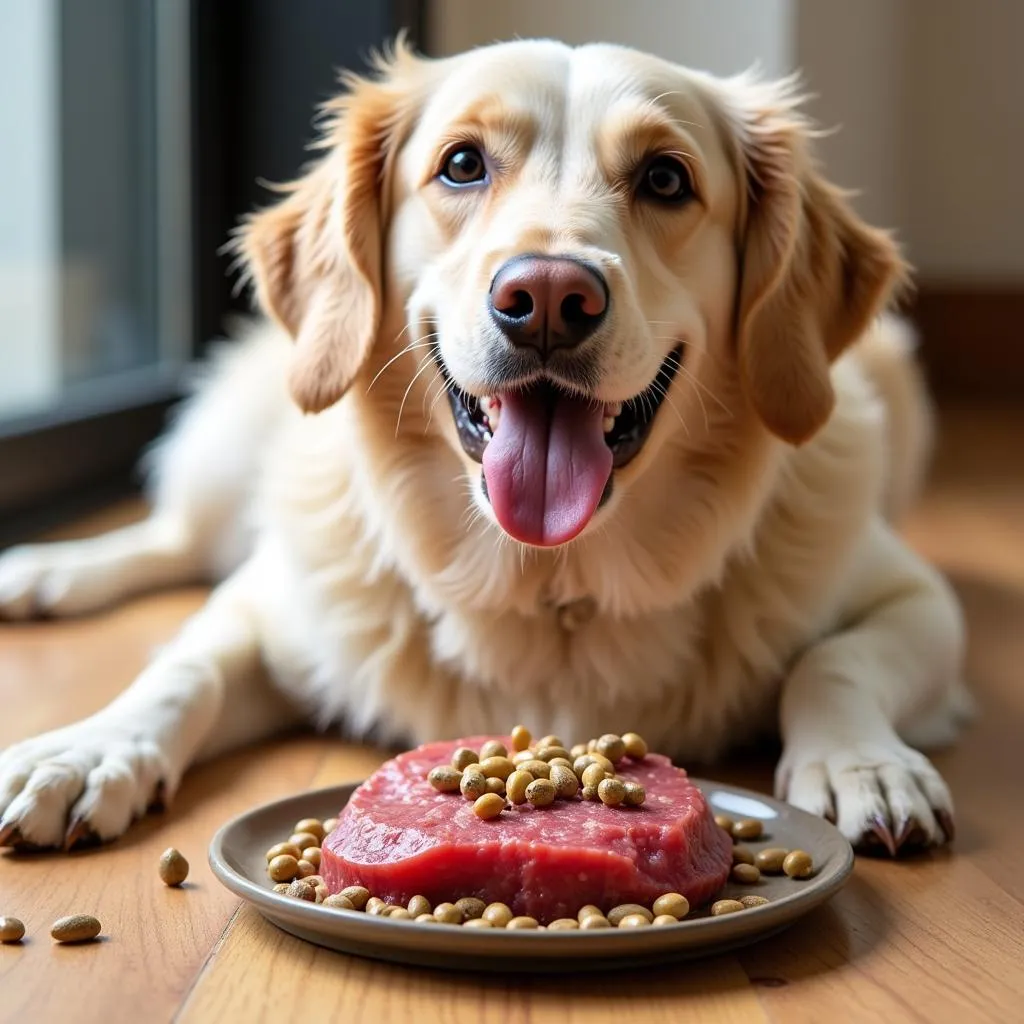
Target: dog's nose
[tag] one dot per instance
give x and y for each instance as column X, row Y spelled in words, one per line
column 547, row 302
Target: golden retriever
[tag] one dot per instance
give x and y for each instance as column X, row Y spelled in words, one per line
column 577, row 405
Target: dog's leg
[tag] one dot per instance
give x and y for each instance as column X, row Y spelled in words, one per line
column 896, row 658
column 203, row 694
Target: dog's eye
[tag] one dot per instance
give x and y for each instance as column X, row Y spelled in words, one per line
column 666, row 180
column 464, row 167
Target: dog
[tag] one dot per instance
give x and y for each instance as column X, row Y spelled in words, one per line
column 576, row 400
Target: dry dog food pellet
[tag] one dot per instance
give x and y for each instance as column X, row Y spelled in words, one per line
column 565, row 782
column 399, row 914
column 281, row 849
column 798, row 864
column 312, row 854
column 282, row 887
column 635, row 794
column 550, row 741
column 611, row 792
column 541, row 792
column 616, row 914
column 522, row 923
column 473, row 784
column 562, row 762
column 477, row 922
column 419, row 905
column 593, row 775
column 330, row 824
column 497, row 767
column 636, row 745
column 593, row 921
column 589, row 792
column 427, row 919
column 770, row 860
column 11, row 929
column 515, row 786
column 374, row 905
column 493, row 748
column 521, row 756
column 548, row 754
column 359, row 895
column 498, row 914
column 76, row 928
column 612, row 747
column 314, row 826
column 746, row 874
column 488, row 806
column 304, row 839
column 173, row 867
column 300, row 889
column 305, row 869
column 521, row 738
column 742, row 854
column 338, row 902
column 753, row 901
column 588, row 911
column 448, row 913
column 724, row 821
column 578, row 750
column 747, row 828
column 444, row 778
column 720, row 907
column 634, row 921
column 564, row 924
column 665, row 919
column 463, row 758
column 495, row 785
column 283, row 868
column 471, row 907
column 538, row 769
column 673, row 904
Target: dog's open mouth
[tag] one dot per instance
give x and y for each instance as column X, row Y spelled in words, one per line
column 548, row 455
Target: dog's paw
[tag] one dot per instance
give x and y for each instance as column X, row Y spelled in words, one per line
column 50, row 579
column 83, row 783
column 883, row 796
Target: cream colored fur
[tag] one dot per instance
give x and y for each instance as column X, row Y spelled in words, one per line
column 737, row 584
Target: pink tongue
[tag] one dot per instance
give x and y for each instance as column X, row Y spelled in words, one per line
column 546, row 467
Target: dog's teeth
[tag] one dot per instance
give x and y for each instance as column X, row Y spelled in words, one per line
column 608, row 424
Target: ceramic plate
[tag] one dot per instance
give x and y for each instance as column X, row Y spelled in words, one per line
column 237, row 856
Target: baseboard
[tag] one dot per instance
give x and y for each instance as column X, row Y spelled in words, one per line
column 972, row 342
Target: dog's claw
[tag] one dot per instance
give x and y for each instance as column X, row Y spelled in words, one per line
column 879, row 834
column 79, row 834
column 10, row 835
column 948, row 825
column 158, row 801
column 909, row 834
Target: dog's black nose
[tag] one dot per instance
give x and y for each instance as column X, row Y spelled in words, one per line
column 547, row 302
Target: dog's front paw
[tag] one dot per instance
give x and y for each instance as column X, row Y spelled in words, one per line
column 86, row 782
column 53, row 579
column 883, row 796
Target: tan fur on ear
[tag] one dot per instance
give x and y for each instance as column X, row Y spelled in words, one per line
column 812, row 274
column 315, row 257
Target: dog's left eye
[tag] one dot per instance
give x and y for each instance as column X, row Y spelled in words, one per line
column 464, row 167
column 666, row 180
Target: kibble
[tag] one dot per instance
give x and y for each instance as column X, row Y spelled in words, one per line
column 76, row 928
column 357, row 894
column 471, row 907
column 488, row 806
column 636, row 745
column 747, row 828
column 280, row 849
column 338, row 902
column 492, row 748
column 522, row 923
column 282, row 887
column 11, row 929
column 588, row 911
column 399, row 914
column 314, row 826
column 564, row 924
column 473, row 784
column 305, row 869
column 745, row 874
column 515, row 786
column 589, row 792
column 720, row 907
column 635, row 794
column 560, row 762
column 612, row 747
column 419, row 905
column 448, row 913
column 520, row 756
column 541, row 792
column 635, row 921
column 550, row 741
column 550, row 753
column 616, row 914
column 375, row 905
column 770, row 861
column 798, row 864
column 495, row 785
column 463, row 758
column 673, row 904
column 498, row 914
column 593, row 921
column 753, row 901
column 497, row 767
column 724, row 821
column 611, row 792
column 427, row 919
column 477, row 922
column 444, row 778
column 593, row 775
column 663, row 919
column 565, row 782
column 330, row 824
column 300, row 889
column 313, row 855
column 173, row 867
column 283, row 868
column 304, row 839
column 578, row 751
column 538, row 769
column 743, row 855
column 521, row 738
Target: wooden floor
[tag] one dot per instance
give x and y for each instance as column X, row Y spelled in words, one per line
column 936, row 939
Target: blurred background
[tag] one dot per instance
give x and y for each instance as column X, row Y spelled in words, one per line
column 136, row 132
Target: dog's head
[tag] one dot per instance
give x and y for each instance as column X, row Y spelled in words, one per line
column 601, row 258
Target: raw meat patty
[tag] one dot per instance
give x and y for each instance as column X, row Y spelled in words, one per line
column 398, row 837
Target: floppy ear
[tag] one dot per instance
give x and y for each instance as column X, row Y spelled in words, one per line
column 813, row 274
column 315, row 257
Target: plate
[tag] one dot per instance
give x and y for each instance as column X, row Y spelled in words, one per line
column 237, row 857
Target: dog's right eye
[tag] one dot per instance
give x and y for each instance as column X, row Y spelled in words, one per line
column 464, row 166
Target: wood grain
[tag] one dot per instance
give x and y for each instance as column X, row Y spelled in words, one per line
column 933, row 940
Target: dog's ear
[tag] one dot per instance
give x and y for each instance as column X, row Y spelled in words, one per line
column 812, row 273
column 316, row 256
